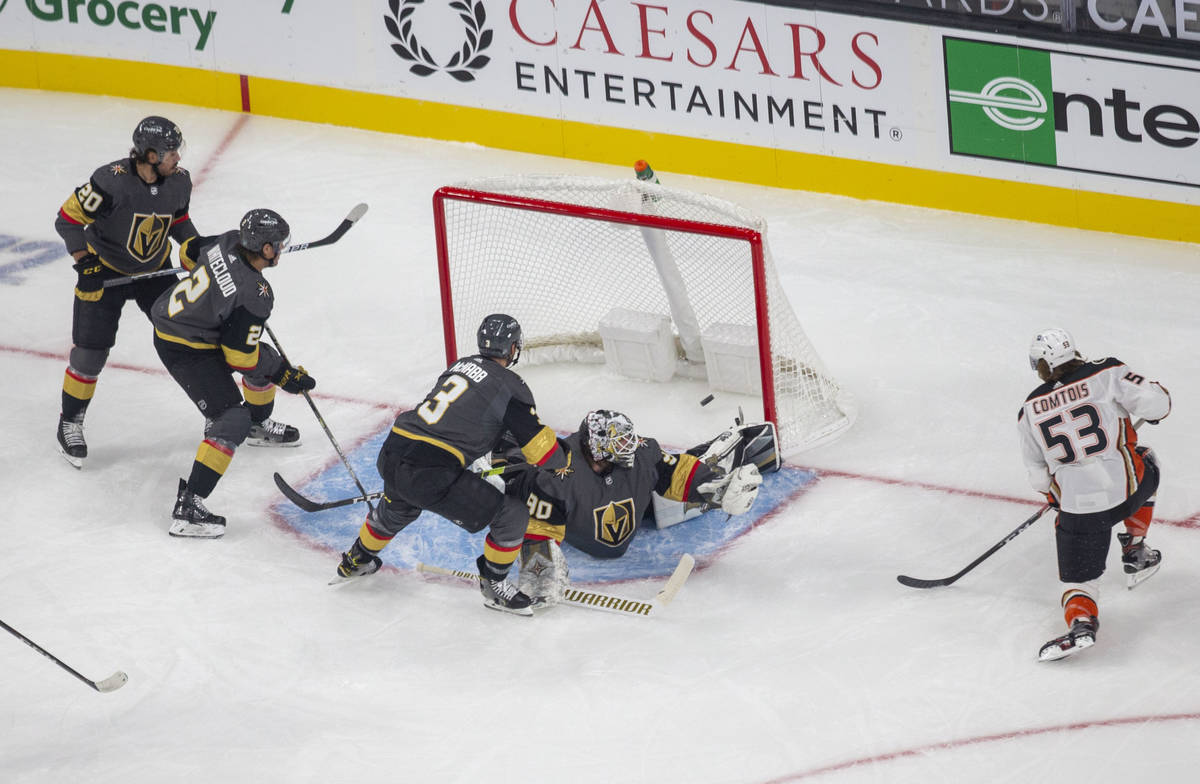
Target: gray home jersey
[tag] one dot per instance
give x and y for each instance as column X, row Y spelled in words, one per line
column 600, row 513
column 126, row 220
column 223, row 304
column 470, row 407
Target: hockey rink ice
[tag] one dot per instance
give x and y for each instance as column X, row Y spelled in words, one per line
column 791, row 654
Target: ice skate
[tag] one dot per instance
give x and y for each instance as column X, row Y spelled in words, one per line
column 271, row 433
column 1082, row 635
column 501, row 594
column 192, row 519
column 1140, row 562
column 356, row 562
column 70, row 440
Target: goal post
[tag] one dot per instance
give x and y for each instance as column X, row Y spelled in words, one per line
column 572, row 257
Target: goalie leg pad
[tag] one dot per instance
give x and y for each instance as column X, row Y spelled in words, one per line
column 544, row 576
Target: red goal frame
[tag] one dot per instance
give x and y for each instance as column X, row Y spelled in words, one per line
column 750, row 236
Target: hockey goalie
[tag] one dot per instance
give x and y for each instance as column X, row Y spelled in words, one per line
column 615, row 481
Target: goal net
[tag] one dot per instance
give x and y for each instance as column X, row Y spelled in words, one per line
column 608, row 270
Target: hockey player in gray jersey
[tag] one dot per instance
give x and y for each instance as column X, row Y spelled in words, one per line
column 117, row 224
column 207, row 328
column 598, row 500
column 1081, row 449
column 424, row 462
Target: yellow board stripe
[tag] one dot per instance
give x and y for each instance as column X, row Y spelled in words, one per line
column 505, row 130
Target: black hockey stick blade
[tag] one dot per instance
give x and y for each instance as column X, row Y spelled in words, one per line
column 343, row 227
column 308, row 505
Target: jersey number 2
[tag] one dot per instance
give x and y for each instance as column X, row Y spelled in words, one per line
column 434, row 409
column 1069, row 441
column 191, row 287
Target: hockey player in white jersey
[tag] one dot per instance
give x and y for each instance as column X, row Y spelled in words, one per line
column 1081, row 449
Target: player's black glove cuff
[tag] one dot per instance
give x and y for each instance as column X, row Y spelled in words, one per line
column 91, row 273
column 293, row 379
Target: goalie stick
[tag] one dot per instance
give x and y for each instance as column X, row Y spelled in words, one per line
column 915, row 582
column 111, row 683
column 596, row 600
column 343, row 227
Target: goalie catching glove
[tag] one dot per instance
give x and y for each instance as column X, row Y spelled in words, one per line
column 735, row 491
column 293, row 379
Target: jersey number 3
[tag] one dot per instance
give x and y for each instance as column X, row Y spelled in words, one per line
column 1082, row 430
column 433, row 409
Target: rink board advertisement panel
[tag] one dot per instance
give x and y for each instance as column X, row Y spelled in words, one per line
column 764, row 94
column 1088, row 114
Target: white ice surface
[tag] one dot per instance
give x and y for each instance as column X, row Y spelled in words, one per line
column 788, row 657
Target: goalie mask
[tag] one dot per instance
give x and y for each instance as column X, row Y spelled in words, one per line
column 609, row 436
column 1054, row 345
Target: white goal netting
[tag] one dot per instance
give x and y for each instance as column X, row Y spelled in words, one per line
column 562, row 271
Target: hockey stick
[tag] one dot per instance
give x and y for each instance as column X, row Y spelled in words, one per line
column 596, row 600
column 914, row 582
column 111, row 683
column 320, row 419
column 309, row 505
column 334, row 236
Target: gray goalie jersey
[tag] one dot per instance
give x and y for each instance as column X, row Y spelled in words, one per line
column 600, row 513
column 222, row 304
column 125, row 220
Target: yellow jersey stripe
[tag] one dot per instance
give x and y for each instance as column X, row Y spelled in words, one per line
column 430, row 440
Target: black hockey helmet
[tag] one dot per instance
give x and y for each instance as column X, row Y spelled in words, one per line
column 158, row 134
column 498, row 333
column 261, row 227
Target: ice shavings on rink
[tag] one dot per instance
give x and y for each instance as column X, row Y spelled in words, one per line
column 431, row 539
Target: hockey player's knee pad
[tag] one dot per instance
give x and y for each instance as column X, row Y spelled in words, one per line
column 88, row 361
column 232, row 425
column 509, row 523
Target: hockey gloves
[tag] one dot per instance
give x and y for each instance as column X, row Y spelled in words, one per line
column 735, row 491
column 293, row 379
column 91, row 275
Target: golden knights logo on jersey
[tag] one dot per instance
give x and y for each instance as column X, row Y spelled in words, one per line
column 615, row 522
column 147, row 236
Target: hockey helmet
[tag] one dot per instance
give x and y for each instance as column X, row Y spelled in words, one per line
column 497, row 335
column 1054, row 345
column 264, row 227
column 609, row 436
column 158, row 134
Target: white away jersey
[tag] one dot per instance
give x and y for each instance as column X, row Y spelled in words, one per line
column 1076, row 434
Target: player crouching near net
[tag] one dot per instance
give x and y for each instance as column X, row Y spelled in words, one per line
column 208, row 327
column 1081, row 449
column 598, row 500
column 424, row 463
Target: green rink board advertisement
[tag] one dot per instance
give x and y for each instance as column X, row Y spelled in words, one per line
column 1083, row 113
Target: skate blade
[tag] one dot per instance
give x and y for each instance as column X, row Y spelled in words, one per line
column 524, row 611
column 198, row 531
column 1054, row 651
column 75, row 461
column 275, row 444
column 1134, row 579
